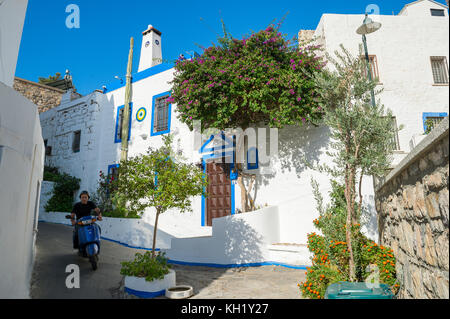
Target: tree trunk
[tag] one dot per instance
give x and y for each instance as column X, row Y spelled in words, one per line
column 360, row 198
column 154, row 233
column 350, row 208
column 241, row 184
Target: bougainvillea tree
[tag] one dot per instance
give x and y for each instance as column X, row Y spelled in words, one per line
column 261, row 79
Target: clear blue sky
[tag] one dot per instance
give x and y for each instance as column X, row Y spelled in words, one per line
column 98, row 50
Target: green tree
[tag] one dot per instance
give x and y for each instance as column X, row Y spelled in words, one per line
column 51, row 78
column 261, row 79
column 159, row 179
column 361, row 134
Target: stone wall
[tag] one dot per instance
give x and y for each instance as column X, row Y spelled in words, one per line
column 413, row 207
column 44, row 96
column 305, row 35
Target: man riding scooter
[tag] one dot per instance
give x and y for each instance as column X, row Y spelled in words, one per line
column 88, row 244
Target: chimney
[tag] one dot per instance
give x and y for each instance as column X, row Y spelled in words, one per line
column 151, row 54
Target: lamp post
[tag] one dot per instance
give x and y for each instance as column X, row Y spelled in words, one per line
column 368, row 26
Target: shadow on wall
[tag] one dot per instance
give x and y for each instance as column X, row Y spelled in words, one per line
column 134, row 232
column 242, row 242
column 297, row 144
column 370, row 218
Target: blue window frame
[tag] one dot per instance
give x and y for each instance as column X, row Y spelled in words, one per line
column 112, row 172
column 112, row 169
column 427, row 115
column 117, row 136
column 252, row 158
column 161, row 114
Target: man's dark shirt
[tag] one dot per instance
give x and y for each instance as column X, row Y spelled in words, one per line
column 82, row 210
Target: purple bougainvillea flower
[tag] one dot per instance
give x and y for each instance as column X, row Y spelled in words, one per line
column 299, row 99
column 170, row 99
column 292, row 91
column 303, row 120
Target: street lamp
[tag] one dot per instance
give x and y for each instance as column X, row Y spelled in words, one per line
column 368, row 26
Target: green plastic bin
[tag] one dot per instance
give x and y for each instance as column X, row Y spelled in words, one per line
column 357, row 290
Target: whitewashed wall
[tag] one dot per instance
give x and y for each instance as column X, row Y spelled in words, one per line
column 421, row 9
column 21, row 168
column 21, row 163
column 58, row 127
column 12, row 15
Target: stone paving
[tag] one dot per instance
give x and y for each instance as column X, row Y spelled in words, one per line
column 267, row 282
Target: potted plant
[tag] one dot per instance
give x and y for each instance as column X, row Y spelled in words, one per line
column 147, row 277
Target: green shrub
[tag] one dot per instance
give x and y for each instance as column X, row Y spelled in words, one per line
column 330, row 261
column 51, row 174
column 429, row 123
column 63, row 193
column 144, row 266
column 111, row 203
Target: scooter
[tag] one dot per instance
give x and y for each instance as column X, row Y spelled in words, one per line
column 88, row 238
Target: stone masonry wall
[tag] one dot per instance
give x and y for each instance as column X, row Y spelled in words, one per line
column 413, row 215
column 45, row 97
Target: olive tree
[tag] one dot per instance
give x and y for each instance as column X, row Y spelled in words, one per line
column 361, row 133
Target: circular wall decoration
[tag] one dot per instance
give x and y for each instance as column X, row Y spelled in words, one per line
column 147, row 44
column 141, row 114
column 157, row 42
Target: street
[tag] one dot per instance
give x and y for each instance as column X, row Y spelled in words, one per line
column 55, row 253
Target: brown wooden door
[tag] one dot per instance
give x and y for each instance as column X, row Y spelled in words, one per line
column 218, row 202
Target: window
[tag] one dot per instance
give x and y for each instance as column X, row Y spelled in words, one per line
column 113, row 174
column 373, row 67
column 440, row 69
column 119, row 123
column 48, row 149
column 161, row 114
column 437, row 12
column 113, row 171
column 252, row 158
column 432, row 118
column 76, row 141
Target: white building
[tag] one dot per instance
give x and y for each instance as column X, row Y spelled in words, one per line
column 402, row 49
column 21, row 162
column 409, row 55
